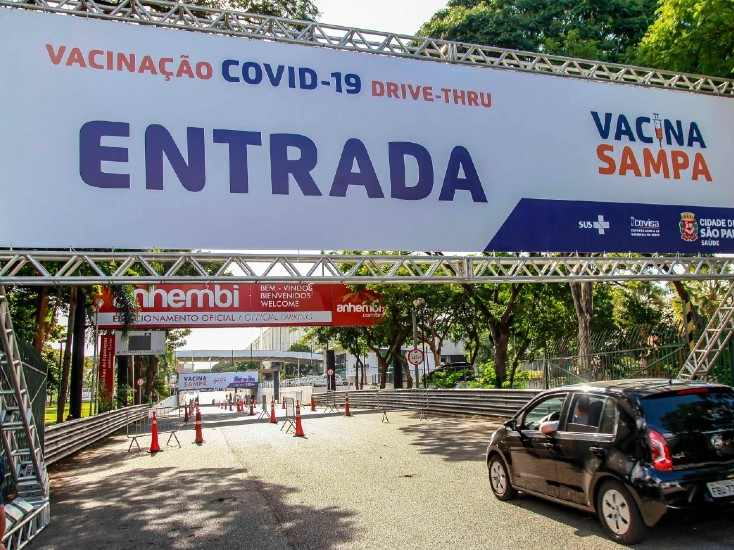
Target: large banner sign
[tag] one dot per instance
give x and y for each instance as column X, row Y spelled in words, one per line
column 127, row 136
column 217, row 381
column 241, row 305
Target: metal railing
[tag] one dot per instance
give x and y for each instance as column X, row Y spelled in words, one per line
column 489, row 403
column 179, row 15
column 65, row 439
column 49, row 267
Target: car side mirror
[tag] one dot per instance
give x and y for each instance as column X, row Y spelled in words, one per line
column 511, row 425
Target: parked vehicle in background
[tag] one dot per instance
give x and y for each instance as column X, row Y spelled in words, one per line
column 629, row 450
column 321, row 381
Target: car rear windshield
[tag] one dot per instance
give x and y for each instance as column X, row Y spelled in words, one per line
column 698, row 423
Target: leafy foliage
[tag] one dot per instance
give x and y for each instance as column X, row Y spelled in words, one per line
column 693, row 36
column 594, row 29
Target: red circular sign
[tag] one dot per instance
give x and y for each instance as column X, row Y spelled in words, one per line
column 415, row 356
column 330, row 372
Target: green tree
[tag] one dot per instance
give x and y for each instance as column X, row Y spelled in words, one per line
column 293, row 9
column 594, row 29
column 693, row 36
column 233, row 366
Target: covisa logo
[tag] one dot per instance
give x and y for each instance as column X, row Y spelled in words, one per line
column 648, row 224
column 176, row 298
column 678, row 155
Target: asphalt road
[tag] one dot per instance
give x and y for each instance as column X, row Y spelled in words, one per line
column 351, row 483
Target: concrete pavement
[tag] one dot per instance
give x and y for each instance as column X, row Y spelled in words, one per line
column 353, row 483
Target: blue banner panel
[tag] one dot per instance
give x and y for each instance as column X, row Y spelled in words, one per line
column 538, row 225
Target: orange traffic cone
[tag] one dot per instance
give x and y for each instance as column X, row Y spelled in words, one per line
column 346, row 406
column 299, row 427
column 272, row 412
column 313, row 404
column 197, row 425
column 186, row 412
column 154, row 447
column 252, row 408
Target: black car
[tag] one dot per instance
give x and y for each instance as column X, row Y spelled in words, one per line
column 628, row 450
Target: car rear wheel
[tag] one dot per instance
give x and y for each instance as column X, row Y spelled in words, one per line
column 499, row 479
column 619, row 514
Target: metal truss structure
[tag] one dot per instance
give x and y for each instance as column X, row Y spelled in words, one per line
column 713, row 341
column 236, row 23
column 72, row 268
column 21, row 443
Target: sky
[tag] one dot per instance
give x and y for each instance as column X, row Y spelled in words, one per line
column 398, row 16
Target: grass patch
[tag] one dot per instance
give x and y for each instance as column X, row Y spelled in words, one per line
column 51, row 412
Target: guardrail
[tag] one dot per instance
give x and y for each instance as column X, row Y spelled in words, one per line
column 62, row 440
column 491, row 403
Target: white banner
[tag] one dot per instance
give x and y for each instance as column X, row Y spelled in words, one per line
column 218, row 381
column 127, row 136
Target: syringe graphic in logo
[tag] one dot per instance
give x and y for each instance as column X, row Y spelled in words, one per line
column 658, row 128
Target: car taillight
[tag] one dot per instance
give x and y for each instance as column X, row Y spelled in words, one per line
column 660, row 452
column 693, row 390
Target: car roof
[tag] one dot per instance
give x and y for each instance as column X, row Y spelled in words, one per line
column 640, row 386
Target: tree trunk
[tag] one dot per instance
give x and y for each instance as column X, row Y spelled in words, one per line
column 123, row 367
column 519, row 356
column 150, row 374
column 41, row 314
column 583, row 301
column 77, row 359
column 382, row 361
column 66, row 367
column 501, row 337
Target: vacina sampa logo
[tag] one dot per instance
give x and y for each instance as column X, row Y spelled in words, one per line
column 650, row 146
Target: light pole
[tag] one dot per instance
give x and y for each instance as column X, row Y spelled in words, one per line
column 418, row 303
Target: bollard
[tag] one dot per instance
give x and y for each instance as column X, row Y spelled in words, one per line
column 299, row 427
column 197, row 425
column 313, row 404
column 186, row 413
column 346, row 406
column 252, row 408
column 272, row 412
column 154, row 446
column 284, row 404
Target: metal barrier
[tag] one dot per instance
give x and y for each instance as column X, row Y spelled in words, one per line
column 168, row 420
column 62, row 440
column 491, row 403
column 264, row 411
column 330, row 401
column 289, row 420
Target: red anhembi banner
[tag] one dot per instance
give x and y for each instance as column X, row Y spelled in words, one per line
column 241, row 305
column 107, row 364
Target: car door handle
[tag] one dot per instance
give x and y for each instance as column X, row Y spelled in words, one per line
column 598, row 451
column 549, row 445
